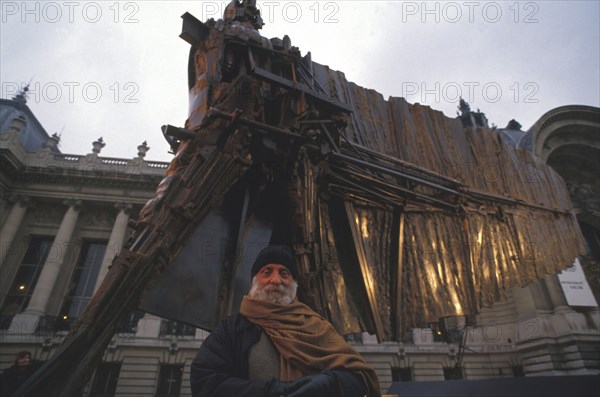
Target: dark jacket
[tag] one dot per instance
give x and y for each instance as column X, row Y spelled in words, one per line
column 11, row 379
column 220, row 368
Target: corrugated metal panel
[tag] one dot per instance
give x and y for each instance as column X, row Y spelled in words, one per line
column 512, row 227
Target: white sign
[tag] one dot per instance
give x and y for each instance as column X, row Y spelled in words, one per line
column 575, row 286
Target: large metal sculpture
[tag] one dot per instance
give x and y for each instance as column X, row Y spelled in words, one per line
column 397, row 214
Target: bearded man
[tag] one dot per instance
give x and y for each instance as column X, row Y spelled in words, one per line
column 277, row 346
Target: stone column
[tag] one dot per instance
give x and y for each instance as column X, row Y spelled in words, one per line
column 115, row 242
column 26, row 321
column 11, row 226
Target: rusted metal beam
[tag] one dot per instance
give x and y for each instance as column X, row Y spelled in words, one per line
column 399, row 277
column 214, row 112
column 405, row 165
column 193, row 31
column 367, row 276
column 269, row 77
column 394, row 172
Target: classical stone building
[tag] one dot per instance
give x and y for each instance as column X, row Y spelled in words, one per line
column 65, row 216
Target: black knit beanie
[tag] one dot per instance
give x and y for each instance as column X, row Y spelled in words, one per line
column 276, row 254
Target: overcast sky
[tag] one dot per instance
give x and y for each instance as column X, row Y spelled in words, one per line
column 117, row 70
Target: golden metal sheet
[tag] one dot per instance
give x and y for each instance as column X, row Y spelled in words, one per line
column 453, row 262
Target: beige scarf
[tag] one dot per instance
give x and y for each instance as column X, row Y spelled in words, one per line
column 307, row 343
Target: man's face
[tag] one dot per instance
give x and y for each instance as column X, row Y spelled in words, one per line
column 274, row 283
column 274, row 274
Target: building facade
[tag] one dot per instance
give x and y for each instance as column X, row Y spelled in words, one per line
column 65, row 216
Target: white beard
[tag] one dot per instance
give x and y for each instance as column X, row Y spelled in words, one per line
column 285, row 297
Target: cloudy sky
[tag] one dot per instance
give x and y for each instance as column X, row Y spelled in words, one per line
column 117, row 69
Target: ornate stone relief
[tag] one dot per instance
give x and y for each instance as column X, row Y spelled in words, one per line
column 48, row 214
column 97, row 218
